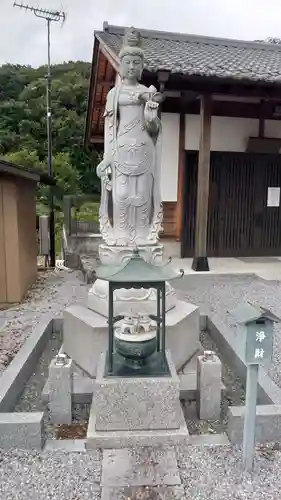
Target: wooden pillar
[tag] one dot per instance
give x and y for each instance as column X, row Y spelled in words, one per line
column 261, row 119
column 181, row 167
column 200, row 260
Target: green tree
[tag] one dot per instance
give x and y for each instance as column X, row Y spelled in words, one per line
column 67, row 177
column 25, row 158
column 23, row 137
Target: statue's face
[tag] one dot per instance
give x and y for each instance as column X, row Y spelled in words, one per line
column 131, row 67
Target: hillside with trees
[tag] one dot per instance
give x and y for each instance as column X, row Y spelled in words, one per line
column 23, row 137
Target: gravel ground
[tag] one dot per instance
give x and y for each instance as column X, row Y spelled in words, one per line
column 216, row 295
column 215, row 473
column 53, row 292
column 50, row 476
column 212, row 472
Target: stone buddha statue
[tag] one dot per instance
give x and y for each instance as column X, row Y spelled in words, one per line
column 131, row 211
column 130, row 169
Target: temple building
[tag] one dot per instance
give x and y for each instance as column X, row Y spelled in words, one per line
column 221, row 163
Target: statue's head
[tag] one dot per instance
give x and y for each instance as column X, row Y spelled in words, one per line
column 131, row 56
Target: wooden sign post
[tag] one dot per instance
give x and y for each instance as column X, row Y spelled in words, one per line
column 257, row 324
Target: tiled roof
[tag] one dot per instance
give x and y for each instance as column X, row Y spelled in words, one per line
column 203, row 56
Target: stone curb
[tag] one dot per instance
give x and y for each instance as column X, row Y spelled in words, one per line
column 268, row 391
column 69, row 445
column 3, row 322
column 208, row 440
column 22, row 430
column 21, row 367
column 268, row 421
column 268, row 424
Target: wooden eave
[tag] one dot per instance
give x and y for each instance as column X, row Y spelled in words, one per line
column 109, row 54
column 103, row 75
column 11, row 170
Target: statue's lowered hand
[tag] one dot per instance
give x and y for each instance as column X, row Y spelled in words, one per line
column 104, row 172
column 151, row 111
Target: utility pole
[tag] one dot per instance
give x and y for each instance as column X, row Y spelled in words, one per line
column 49, row 16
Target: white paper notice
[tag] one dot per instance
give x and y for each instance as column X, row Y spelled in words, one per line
column 273, row 197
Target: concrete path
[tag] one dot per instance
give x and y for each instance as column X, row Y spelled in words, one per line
column 267, row 268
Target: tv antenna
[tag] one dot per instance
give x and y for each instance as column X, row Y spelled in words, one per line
column 49, row 16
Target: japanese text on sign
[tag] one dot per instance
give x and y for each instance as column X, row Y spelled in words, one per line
column 260, row 336
column 259, row 353
column 259, row 343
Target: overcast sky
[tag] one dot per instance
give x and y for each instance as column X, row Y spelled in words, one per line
column 23, row 36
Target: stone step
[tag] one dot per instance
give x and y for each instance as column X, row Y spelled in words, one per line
column 134, row 439
column 139, row 467
column 143, row 493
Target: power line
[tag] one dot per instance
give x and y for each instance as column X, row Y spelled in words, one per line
column 49, row 16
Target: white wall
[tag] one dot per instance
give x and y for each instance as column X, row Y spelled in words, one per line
column 272, row 129
column 170, row 155
column 227, row 134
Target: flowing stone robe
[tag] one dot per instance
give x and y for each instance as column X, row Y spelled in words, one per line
column 130, row 170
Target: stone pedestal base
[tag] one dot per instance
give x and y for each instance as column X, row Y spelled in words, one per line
column 135, row 409
column 128, row 301
column 85, row 335
column 134, row 439
column 117, row 255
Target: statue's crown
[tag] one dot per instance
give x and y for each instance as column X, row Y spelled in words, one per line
column 132, row 38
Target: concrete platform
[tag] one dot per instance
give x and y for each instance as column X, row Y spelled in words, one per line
column 85, row 335
column 267, row 268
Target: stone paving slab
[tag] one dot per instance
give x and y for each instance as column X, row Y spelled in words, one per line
column 139, row 467
column 144, row 493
